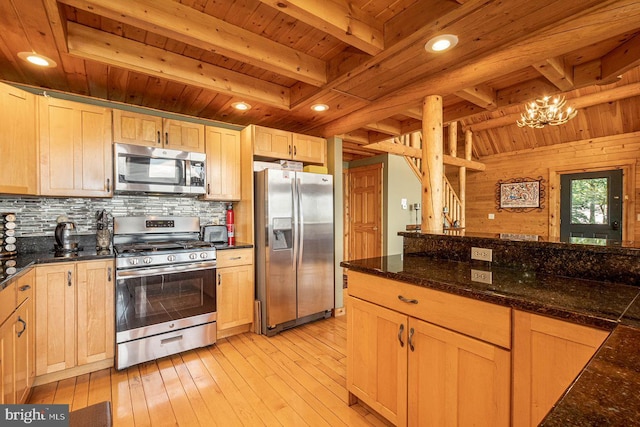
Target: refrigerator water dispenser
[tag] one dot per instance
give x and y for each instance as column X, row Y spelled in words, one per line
column 282, row 234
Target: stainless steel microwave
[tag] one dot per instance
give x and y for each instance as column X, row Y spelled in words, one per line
column 140, row 169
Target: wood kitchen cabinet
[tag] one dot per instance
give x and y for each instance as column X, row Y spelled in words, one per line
column 17, row 337
column 423, row 357
column 235, row 291
column 75, row 149
column 222, row 147
column 18, row 142
column 278, row 144
column 548, row 354
column 74, row 315
column 154, row 131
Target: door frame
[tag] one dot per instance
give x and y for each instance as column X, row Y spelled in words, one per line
column 628, row 168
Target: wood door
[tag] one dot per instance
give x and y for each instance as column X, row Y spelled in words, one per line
column 377, row 358
column 75, row 149
column 185, row 136
column 222, row 147
column 95, row 318
column 309, row 149
column 591, row 206
column 365, row 212
column 456, row 380
column 548, row 354
column 136, row 128
column 7, row 369
column 18, row 143
column 55, row 317
column 235, row 296
column 272, row 143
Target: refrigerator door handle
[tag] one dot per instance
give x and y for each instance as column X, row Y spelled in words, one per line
column 300, row 226
column 294, row 198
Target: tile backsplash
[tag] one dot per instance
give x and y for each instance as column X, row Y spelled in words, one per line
column 36, row 216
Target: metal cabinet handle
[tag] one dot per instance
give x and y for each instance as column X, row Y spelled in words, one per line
column 24, row 326
column 208, row 189
column 108, row 185
column 159, row 139
column 289, row 150
column 411, row 331
column 400, row 332
column 24, row 288
column 219, row 279
column 407, row 300
column 166, row 138
column 109, row 274
column 235, row 258
column 68, row 278
column 295, row 151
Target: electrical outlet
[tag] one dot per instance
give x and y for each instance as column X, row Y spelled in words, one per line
column 482, row 254
column 481, row 276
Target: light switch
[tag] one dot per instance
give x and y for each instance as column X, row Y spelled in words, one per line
column 491, row 216
column 403, row 203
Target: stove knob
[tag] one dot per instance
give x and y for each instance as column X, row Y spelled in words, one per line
column 171, row 258
column 204, row 255
column 134, row 261
column 147, row 260
column 193, row 255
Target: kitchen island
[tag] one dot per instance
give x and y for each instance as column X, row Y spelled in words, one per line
column 601, row 394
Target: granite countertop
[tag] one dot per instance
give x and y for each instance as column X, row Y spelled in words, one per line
column 605, row 392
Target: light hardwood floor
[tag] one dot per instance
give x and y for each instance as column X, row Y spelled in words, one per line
column 296, row 378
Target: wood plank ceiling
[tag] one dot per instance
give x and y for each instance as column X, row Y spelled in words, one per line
column 365, row 59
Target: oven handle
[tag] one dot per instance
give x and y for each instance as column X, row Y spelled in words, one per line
column 180, row 268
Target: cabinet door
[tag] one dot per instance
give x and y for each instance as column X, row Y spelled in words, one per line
column 75, row 149
column 223, row 164
column 235, row 296
column 23, row 329
column 309, row 149
column 186, row 136
column 95, row 291
column 456, row 380
column 55, row 317
column 377, row 358
column 136, row 128
column 7, row 381
column 548, row 354
column 273, row 143
column 18, row 143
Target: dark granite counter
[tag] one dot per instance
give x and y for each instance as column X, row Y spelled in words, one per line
column 238, row 245
column 604, row 394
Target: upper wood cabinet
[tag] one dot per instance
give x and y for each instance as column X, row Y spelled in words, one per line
column 18, row 143
column 154, row 131
column 548, row 354
column 278, row 144
column 222, row 147
column 75, row 149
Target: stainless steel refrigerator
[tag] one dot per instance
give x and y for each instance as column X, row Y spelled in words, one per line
column 294, row 248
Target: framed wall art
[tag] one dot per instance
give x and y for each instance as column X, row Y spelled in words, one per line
column 520, row 194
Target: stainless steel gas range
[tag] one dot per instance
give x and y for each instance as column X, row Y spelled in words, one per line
column 165, row 288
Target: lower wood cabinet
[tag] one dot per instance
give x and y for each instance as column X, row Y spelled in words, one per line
column 74, row 315
column 548, row 354
column 235, row 291
column 415, row 373
column 17, row 337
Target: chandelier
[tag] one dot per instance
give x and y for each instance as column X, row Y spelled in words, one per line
column 542, row 112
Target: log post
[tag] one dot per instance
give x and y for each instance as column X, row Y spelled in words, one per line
column 462, row 178
column 453, row 139
column 432, row 164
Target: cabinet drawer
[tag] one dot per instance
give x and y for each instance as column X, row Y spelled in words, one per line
column 233, row 257
column 25, row 286
column 478, row 319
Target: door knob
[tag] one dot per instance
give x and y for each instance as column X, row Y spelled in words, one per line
column 615, row 225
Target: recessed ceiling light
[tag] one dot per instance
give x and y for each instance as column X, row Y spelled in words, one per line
column 39, row 60
column 319, row 107
column 441, row 43
column 242, row 106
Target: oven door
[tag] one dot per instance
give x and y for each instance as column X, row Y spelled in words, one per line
column 155, row 300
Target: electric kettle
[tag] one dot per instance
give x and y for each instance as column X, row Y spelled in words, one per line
column 66, row 236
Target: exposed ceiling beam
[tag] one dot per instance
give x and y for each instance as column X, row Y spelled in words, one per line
column 481, row 95
column 414, row 113
column 338, row 18
column 388, row 126
column 404, row 150
column 565, row 36
column 360, row 137
column 110, row 49
column 621, row 59
column 56, row 24
column 185, row 24
column 460, row 162
column 554, row 70
column 601, row 97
